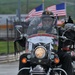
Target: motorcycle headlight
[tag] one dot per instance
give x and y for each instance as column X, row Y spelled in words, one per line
column 40, row 52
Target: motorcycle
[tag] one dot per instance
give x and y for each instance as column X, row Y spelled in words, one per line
column 41, row 46
column 68, row 36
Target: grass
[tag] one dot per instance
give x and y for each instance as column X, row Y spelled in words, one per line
column 8, row 47
column 5, row 46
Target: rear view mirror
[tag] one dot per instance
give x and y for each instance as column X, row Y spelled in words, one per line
column 73, row 28
column 19, row 27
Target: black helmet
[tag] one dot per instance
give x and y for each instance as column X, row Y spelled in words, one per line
column 47, row 19
column 48, row 13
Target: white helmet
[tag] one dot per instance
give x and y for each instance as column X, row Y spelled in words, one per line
column 69, row 26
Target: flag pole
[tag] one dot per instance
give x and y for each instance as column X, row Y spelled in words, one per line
column 65, row 10
column 43, row 4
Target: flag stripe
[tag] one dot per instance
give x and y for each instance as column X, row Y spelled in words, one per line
column 30, row 13
column 58, row 9
column 36, row 12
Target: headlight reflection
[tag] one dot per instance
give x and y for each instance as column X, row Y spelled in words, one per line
column 40, row 52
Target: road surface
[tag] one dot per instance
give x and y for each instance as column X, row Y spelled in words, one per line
column 9, row 68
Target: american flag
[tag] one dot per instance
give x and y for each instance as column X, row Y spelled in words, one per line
column 59, row 9
column 36, row 12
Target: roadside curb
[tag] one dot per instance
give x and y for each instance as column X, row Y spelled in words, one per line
column 10, row 57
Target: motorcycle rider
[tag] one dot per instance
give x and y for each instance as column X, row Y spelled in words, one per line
column 47, row 21
column 65, row 59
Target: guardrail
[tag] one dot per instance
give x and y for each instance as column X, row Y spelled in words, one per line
column 10, row 57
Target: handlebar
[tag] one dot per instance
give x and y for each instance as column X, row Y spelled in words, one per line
column 65, row 38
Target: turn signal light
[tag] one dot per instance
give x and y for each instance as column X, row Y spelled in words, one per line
column 56, row 60
column 24, row 60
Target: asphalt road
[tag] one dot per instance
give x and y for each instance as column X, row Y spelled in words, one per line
column 9, row 68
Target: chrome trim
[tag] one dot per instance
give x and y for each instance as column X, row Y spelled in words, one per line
column 23, row 69
column 60, row 70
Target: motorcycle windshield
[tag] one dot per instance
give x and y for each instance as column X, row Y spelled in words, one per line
column 42, row 31
column 41, row 25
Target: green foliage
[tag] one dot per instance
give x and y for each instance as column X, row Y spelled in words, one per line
column 10, row 6
column 4, row 47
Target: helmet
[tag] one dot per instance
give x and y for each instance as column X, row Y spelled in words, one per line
column 48, row 13
column 69, row 26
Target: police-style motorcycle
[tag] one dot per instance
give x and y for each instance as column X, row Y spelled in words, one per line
column 41, row 46
column 69, row 41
